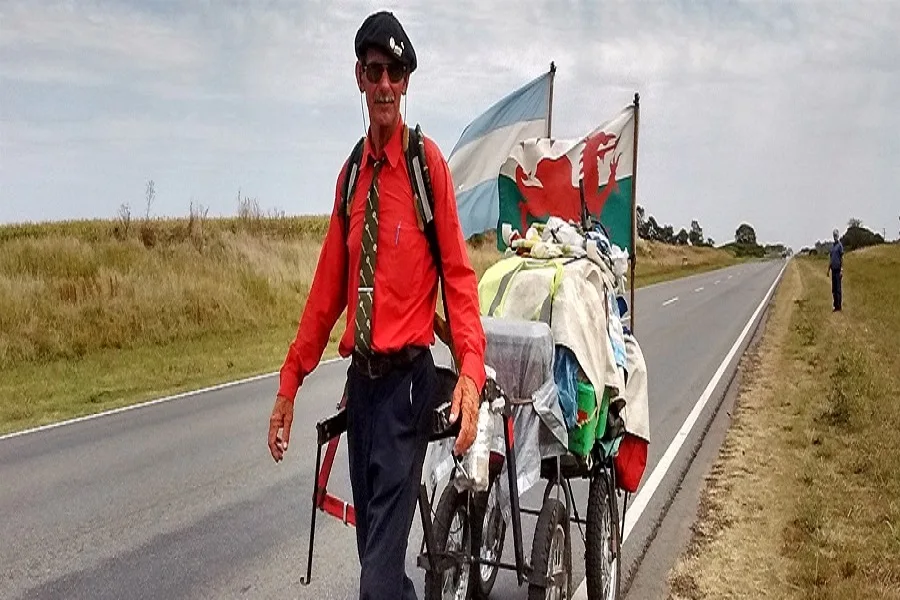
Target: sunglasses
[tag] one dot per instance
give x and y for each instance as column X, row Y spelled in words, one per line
column 374, row 71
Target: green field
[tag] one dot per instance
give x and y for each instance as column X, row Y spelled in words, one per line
column 100, row 314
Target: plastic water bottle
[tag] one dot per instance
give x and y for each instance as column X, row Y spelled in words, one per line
column 476, row 462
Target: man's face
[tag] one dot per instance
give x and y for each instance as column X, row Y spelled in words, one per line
column 383, row 94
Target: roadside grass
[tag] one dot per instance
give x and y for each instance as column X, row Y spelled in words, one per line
column 658, row 262
column 804, row 500
column 41, row 393
column 100, row 314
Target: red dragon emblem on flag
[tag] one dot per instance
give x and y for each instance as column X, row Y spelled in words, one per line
column 550, row 190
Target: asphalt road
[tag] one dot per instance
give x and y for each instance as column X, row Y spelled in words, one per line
column 182, row 500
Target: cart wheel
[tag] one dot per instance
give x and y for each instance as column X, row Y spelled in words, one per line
column 488, row 536
column 603, row 567
column 550, row 554
column 452, row 535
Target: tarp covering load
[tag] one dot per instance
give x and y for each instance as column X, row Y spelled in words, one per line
column 543, row 177
column 578, row 299
column 521, row 354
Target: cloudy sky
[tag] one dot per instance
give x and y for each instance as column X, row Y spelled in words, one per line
column 784, row 115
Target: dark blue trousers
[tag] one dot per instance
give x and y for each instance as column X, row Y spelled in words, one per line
column 388, row 423
column 836, row 288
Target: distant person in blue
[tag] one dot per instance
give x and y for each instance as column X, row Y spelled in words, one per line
column 835, row 263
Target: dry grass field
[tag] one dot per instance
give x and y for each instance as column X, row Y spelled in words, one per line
column 100, row 314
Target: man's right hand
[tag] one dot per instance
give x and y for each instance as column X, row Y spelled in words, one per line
column 464, row 404
column 281, row 419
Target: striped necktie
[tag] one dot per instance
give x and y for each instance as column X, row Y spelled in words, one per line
column 364, row 310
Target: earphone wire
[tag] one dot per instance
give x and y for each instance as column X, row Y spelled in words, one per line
column 362, row 110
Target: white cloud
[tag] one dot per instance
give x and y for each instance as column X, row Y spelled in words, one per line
column 111, row 35
column 750, row 110
column 66, row 72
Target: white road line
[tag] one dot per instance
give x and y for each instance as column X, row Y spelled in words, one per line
column 652, row 483
column 115, row 411
column 699, row 289
column 668, row 302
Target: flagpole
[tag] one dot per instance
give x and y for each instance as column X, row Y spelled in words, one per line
column 550, row 104
column 634, row 237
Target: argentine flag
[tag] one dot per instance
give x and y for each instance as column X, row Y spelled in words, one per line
column 485, row 145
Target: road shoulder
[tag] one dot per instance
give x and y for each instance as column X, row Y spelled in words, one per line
column 675, row 529
column 801, row 502
column 753, row 418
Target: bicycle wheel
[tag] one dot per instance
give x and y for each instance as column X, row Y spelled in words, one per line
column 488, row 537
column 603, row 567
column 550, row 555
column 452, row 535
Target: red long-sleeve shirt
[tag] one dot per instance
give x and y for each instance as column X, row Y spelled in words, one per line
column 405, row 275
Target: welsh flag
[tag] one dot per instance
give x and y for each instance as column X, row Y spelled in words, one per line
column 541, row 176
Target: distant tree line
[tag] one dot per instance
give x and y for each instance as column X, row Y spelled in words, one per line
column 649, row 229
column 744, row 244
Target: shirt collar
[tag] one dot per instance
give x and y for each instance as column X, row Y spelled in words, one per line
column 392, row 150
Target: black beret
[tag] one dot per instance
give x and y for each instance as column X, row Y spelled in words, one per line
column 383, row 30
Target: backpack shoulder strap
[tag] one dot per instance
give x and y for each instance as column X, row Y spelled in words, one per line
column 423, row 193
column 351, row 177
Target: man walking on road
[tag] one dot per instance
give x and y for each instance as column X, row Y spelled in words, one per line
column 376, row 262
column 835, row 264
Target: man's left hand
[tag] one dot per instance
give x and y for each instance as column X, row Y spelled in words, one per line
column 281, row 419
column 465, row 405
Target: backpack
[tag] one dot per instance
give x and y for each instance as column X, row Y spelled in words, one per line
column 423, row 196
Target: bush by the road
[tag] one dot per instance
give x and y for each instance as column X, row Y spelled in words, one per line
column 745, row 250
column 858, row 236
